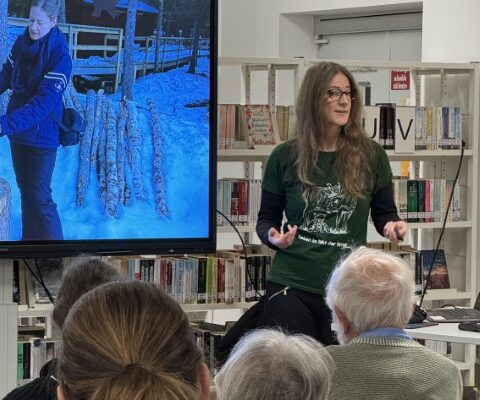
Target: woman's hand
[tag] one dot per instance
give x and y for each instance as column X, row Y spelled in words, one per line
column 282, row 240
column 395, row 231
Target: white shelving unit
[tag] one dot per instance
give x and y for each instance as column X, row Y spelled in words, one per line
column 460, row 242
column 435, row 84
column 8, row 330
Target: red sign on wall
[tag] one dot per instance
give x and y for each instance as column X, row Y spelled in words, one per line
column 400, row 80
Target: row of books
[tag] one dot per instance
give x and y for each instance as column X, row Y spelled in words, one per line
column 239, row 200
column 256, row 124
column 286, row 119
column 253, row 123
column 207, row 335
column 225, row 278
column 407, row 128
column 33, row 353
column 420, row 262
column 400, row 128
column 426, row 200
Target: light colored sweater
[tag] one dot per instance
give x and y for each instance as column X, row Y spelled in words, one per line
column 387, row 368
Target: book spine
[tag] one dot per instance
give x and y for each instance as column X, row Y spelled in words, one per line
column 445, row 128
column 229, row 281
column 209, row 280
column 234, row 200
column 427, row 201
column 214, row 280
column 222, row 126
column 412, row 200
column 163, row 274
column 221, row 280
column 432, row 200
column 429, row 126
column 421, row 200
column 220, row 202
column 458, row 127
column 451, row 128
column 418, row 127
column 403, row 209
column 443, row 198
column 202, row 280
column 19, row 362
column 382, row 130
column 456, row 203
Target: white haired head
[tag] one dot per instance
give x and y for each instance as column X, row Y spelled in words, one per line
column 372, row 288
column 270, row 365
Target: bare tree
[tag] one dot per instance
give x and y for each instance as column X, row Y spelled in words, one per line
column 5, row 192
column 196, row 38
column 63, row 12
column 128, row 61
column 159, row 34
column 3, row 31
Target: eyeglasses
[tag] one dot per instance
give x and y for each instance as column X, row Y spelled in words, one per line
column 336, row 94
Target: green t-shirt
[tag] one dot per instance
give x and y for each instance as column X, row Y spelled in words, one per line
column 327, row 227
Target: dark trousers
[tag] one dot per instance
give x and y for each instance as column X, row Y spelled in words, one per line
column 297, row 311
column 33, row 170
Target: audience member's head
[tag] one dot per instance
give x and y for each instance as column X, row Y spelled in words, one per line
column 370, row 289
column 129, row 340
column 270, row 365
column 82, row 275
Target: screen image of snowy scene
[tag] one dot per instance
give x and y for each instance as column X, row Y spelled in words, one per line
column 141, row 169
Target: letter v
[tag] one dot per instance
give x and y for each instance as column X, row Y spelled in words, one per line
column 404, row 135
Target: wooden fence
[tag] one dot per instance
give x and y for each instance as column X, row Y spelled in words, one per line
column 175, row 51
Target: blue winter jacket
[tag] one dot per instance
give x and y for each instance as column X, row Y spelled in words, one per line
column 38, row 73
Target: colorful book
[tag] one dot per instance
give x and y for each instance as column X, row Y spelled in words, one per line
column 439, row 276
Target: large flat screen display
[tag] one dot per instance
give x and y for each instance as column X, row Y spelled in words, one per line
column 142, row 178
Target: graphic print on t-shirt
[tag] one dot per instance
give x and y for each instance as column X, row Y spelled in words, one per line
column 330, row 212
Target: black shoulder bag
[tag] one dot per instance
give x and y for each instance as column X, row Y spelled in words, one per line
column 71, row 126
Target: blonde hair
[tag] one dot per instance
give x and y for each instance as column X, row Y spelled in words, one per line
column 355, row 149
column 128, row 340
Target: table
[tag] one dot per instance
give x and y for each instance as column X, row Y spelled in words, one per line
column 449, row 332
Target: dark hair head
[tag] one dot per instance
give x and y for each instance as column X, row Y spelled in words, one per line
column 82, row 275
column 128, row 340
column 51, row 7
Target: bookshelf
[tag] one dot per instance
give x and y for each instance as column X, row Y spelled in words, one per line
column 432, row 84
column 281, row 78
column 8, row 330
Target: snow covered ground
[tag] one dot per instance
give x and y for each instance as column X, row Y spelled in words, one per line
column 186, row 168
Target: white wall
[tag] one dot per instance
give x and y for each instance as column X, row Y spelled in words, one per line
column 316, row 6
column 248, row 28
column 277, row 28
column 237, row 29
column 296, row 36
column 451, row 31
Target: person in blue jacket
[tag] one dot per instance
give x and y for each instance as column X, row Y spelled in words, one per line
column 37, row 70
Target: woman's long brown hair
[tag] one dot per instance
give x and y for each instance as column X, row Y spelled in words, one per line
column 355, row 148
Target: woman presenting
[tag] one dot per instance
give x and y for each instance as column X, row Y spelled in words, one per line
column 37, row 71
column 326, row 181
